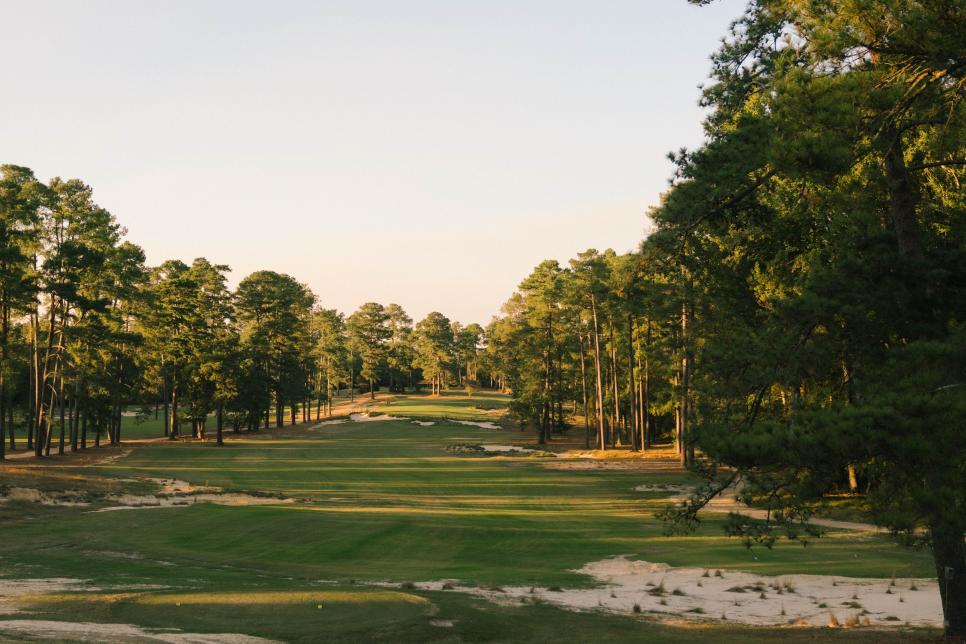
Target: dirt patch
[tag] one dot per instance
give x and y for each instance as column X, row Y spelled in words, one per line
column 697, row 594
column 93, row 632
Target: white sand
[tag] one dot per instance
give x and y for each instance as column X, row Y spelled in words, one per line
column 326, row 423
column 477, row 423
column 424, row 423
column 366, row 418
column 177, row 493
column 630, row 582
column 93, row 632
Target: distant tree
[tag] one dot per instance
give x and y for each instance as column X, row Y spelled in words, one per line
column 399, row 355
column 434, row 346
column 368, row 333
column 21, row 198
column 273, row 312
column 332, row 351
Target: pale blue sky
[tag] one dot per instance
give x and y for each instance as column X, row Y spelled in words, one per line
column 426, row 153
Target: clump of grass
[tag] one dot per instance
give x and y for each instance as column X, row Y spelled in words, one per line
column 697, row 609
column 407, row 585
column 888, row 590
column 736, row 589
column 706, row 574
column 789, row 587
column 532, row 590
column 763, row 596
column 448, row 586
column 663, row 602
column 913, row 586
column 717, row 573
column 495, row 589
column 855, row 605
column 636, row 608
column 613, row 596
column 783, row 609
column 658, row 590
column 901, row 600
column 678, row 592
column 892, row 618
column 555, row 589
column 700, row 585
column 833, row 622
column 823, row 605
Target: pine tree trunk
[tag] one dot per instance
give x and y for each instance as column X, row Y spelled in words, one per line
column 903, row 198
column 173, row 434
column 949, row 555
column 630, row 383
column 167, row 419
column 601, row 437
column 583, row 388
column 60, row 446
column 220, row 424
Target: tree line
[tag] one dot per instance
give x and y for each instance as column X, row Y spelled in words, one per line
column 87, row 330
column 795, row 322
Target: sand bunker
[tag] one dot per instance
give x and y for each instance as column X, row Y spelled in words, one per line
column 177, row 493
column 93, row 632
column 366, row 418
column 745, row 598
column 508, row 448
column 494, row 450
column 424, row 423
column 140, row 502
column 11, row 589
column 478, row 423
column 326, row 423
column 69, row 498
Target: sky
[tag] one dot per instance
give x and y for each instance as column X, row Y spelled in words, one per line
column 428, row 153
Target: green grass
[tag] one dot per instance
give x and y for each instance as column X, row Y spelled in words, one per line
column 383, row 501
column 457, row 405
